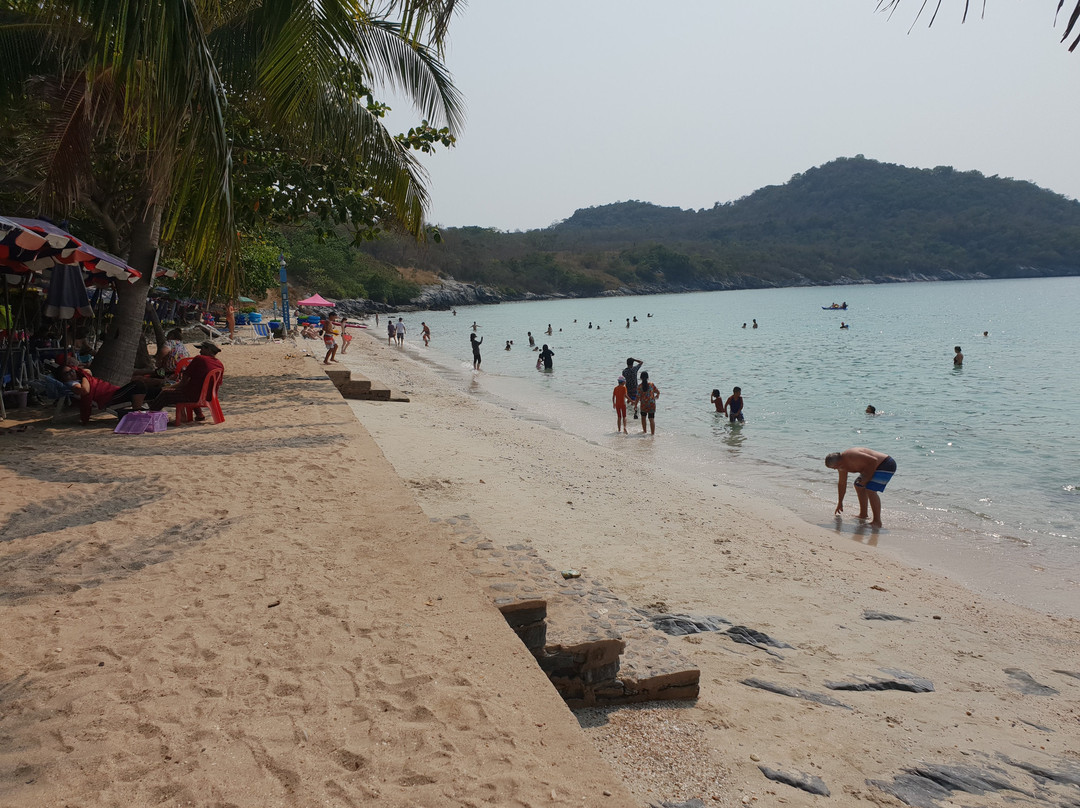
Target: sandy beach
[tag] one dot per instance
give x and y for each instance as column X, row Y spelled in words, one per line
column 274, row 611
column 1005, row 678
column 257, row 613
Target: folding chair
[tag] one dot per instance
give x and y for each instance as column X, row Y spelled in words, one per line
column 207, row 398
column 262, row 331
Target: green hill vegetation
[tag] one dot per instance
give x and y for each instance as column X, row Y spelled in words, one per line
column 849, row 221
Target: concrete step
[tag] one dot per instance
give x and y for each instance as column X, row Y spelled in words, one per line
column 595, row 648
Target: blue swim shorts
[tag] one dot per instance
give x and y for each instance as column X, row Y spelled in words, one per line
column 885, row 470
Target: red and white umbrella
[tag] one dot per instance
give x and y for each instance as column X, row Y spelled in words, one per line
column 34, row 245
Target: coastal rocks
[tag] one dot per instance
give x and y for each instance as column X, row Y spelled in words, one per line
column 898, row 680
column 750, row 636
column 1053, row 781
column 680, row 625
column 800, row 780
column 1028, row 686
column 794, row 692
column 449, row 293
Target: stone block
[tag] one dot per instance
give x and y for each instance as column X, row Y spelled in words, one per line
column 339, row 377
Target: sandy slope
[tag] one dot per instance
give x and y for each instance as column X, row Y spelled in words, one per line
column 257, row 613
column 662, row 539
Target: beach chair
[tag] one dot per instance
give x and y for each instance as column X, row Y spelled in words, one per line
column 262, row 331
column 207, row 398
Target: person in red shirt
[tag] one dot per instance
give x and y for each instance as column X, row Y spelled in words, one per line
column 191, row 380
column 93, row 390
column 618, row 401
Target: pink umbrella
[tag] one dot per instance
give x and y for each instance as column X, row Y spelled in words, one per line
column 315, row 300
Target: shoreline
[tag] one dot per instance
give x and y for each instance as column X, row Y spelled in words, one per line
column 657, row 539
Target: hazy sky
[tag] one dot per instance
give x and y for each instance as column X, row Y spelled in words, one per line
column 573, row 104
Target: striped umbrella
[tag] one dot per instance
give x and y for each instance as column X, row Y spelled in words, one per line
column 34, row 245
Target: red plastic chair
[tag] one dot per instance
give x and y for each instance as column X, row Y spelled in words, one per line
column 181, row 364
column 207, row 398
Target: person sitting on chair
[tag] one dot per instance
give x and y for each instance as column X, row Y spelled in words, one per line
column 92, row 390
column 190, row 385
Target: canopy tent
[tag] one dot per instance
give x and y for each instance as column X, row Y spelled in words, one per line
column 315, row 300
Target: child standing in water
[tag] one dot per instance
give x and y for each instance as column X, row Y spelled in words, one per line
column 647, row 395
column 618, row 401
column 734, row 406
column 717, row 401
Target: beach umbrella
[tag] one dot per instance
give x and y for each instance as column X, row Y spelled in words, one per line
column 244, row 300
column 315, row 300
column 55, row 247
column 67, row 294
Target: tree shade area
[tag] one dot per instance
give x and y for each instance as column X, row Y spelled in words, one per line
column 851, row 220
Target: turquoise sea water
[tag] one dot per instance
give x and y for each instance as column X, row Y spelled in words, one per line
column 988, row 460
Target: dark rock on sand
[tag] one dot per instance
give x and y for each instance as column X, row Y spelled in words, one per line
column 794, row 692
column 678, row 625
column 1028, row 686
column 870, row 614
column 898, row 680
column 753, row 637
column 694, row 803
column 807, row 782
column 1053, row 782
column 1073, row 674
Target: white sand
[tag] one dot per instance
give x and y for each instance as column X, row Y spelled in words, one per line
column 659, row 538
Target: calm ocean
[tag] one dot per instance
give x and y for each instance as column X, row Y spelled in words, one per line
column 988, row 460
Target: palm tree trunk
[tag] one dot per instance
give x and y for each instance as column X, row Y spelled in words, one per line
column 116, row 359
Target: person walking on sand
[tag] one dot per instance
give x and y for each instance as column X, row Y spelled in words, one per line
column 647, row 395
column 618, row 401
column 718, row 401
column 329, row 335
column 734, row 406
column 545, row 356
column 425, row 332
column 958, row 357
column 875, row 469
column 391, row 331
column 400, row 331
column 475, row 343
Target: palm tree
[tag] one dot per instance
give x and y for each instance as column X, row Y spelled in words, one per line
column 132, row 96
column 891, row 5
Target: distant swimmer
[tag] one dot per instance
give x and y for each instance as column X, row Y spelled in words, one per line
column 474, row 325
column 871, row 409
column 532, row 342
column 843, row 324
column 454, row 312
column 590, row 323
column 618, row 401
column 647, row 395
column 734, row 405
column 549, row 329
column 958, row 358
column 545, row 356
column 744, row 325
column 717, row 401
column 475, row 343
column 509, row 342
column 875, row 469
column 986, row 333
column 635, row 319
column 755, row 324
column 627, row 322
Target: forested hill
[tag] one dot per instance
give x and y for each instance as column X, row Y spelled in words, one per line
column 851, row 220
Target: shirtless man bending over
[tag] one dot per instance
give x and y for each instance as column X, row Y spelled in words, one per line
column 875, row 469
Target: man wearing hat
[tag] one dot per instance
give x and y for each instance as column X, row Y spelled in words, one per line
column 191, row 380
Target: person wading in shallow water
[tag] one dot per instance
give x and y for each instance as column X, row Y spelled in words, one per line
column 545, row 356
column 875, row 469
column 475, row 343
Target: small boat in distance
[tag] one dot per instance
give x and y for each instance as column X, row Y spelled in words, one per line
column 836, row 307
